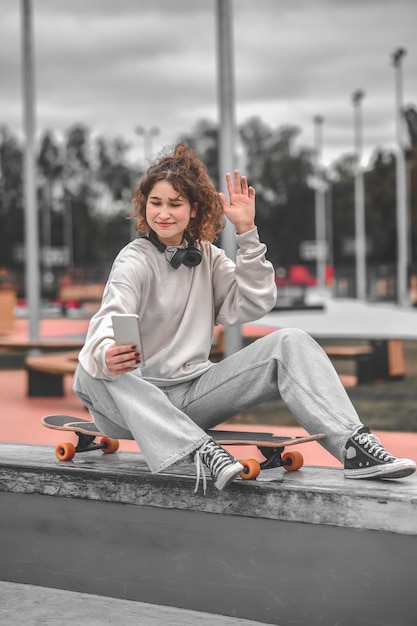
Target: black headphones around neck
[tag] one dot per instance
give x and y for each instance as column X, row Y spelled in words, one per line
column 189, row 256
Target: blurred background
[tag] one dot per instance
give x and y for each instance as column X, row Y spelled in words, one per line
column 324, row 123
column 116, row 82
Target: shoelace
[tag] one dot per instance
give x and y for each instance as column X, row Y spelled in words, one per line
column 200, row 471
column 373, row 445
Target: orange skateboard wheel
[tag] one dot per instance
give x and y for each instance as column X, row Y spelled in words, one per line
column 251, row 469
column 65, row 451
column 293, row 460
column 110, row 445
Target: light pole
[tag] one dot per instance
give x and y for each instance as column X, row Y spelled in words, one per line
column 32, row 280
column 401, row 185
column 360, row 236
column 227, row 135
column 148, row 134
column 320, row 204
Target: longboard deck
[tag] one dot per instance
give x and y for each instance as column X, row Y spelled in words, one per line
column 71, row 424
column 268, row 440
column 223, row 437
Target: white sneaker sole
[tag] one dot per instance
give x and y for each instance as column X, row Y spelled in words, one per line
column 228, row 475
column 400, row 468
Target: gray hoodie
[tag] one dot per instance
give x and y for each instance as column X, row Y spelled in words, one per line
column 178, row 308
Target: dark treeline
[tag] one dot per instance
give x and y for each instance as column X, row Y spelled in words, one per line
column 85, row 187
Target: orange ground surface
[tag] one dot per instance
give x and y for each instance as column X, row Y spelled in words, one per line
column 20, row 415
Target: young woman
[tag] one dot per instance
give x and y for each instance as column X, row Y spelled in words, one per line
column 180, row 285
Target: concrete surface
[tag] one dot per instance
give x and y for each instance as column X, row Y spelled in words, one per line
column 29, row 605
column 307, row 547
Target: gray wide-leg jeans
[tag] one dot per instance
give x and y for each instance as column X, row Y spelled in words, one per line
column 169, row 423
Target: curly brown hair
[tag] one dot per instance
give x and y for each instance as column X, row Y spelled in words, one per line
column 188, row 175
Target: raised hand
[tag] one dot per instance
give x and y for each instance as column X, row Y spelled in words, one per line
column 240, row 209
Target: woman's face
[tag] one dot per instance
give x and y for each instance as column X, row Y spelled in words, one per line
column 168, row 213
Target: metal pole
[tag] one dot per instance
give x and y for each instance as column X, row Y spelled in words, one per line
column 329, row 224
column 227, row 136
column 68, row 235
column 401, row 186
column 148, row 134
column 31, row 209
column 360, row 236
column 320, row 205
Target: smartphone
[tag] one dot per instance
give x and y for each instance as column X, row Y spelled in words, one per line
column 127, row 332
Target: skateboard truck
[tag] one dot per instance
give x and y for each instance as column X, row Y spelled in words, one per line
column 274, row 457
column 67, row 451
column 86, row 443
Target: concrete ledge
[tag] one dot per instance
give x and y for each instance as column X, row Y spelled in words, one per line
column 313, row 495
column 302, row 548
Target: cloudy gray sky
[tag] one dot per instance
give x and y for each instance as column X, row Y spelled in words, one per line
column 113, row 65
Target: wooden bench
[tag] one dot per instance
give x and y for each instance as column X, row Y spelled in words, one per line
column 381, row 359
column 13, row 352
column 347, row 353
column 46, row 372
column 8, row 302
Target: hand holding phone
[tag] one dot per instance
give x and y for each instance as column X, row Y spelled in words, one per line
column 127, row 332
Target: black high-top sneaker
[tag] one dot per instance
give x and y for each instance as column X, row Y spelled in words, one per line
column 223, row 467
column 367, row 458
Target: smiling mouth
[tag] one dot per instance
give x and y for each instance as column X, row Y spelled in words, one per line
column 164, row 224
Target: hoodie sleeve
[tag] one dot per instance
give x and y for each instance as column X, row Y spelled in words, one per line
column 244, row 291
column 117, row 298
column 123, row 293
